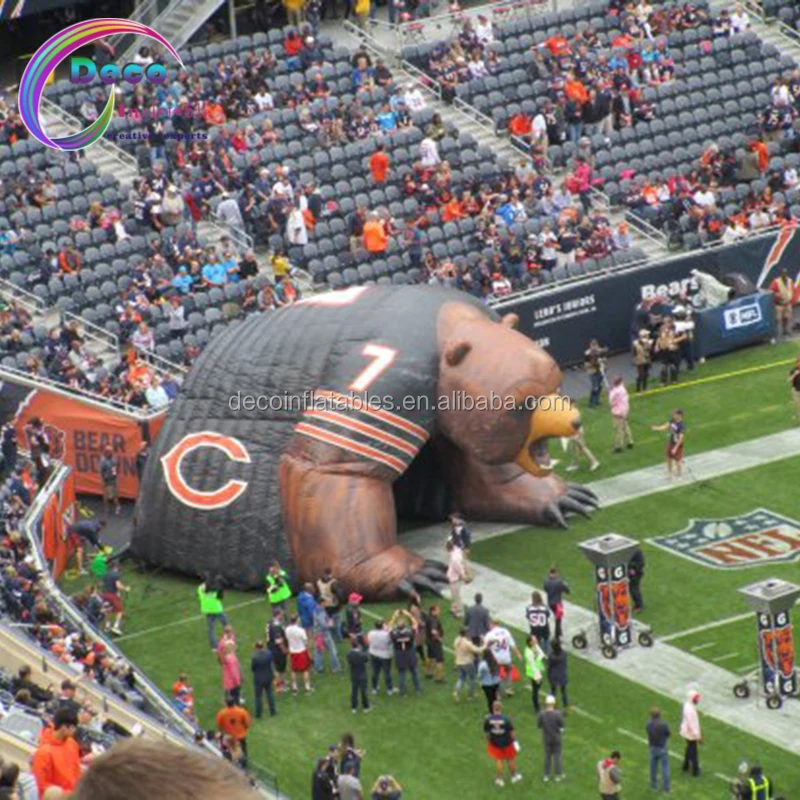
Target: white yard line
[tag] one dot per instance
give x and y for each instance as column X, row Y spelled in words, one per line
column 583, row 713
column 709, row 626
column 724, row 658
column 185, row 621
column 699, row 647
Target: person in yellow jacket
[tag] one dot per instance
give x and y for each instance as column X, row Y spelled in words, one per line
column 294, row 11
column 361, row 9
column 278, row 589
column 209, row 593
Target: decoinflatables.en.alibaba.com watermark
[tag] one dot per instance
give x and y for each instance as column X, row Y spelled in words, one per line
column 455, row 401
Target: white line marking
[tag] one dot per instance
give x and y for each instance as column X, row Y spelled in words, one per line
column 707, row 627
column 749, row 668
column 632, row 735
column 725, row 657
column 582, row 713
column 184, row 621
column 723, row 777
column 702, row 646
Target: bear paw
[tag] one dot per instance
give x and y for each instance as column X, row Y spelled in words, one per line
column 576, row 500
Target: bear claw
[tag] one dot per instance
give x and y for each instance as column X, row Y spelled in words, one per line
column 429, row 578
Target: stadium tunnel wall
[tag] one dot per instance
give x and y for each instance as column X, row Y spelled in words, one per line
column 563, row 319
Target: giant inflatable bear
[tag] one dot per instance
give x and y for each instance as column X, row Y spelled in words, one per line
column 302, row 434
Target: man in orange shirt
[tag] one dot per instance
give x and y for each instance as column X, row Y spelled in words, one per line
column 375, row 236
column 57, row 762
column 235, row 721
column 379, row 164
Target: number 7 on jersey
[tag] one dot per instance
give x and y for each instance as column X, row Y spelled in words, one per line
column 381, row 357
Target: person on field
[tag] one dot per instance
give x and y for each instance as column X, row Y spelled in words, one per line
column 476, row 619
column 466, row 651
column 692, row 734
column 620, row 409
column 357, row 660
column 279, row 647
column 261, row 665
column 231, row 673
column 502, row 645
column 456, row 577
column 551, row 723
column 489, row 677
column 210, row 593
column 555, row 587
column 379, row 644
column 658, row 734
column 278, row 589
column 794, row 382
column 609, row 776
column 299, row 659
column 535, row 668
column 675, row 443
column 557, row 671
column 434, row 644
column 502, row 746
column 108, row 472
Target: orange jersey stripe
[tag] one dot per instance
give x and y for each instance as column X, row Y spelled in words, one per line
column 350, row 444
column 362, row 427
column 417, row 431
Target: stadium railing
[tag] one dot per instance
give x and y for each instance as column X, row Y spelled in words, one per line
column 29, row 301
column 169, row 723
column 15, row 749
column 616, row 269
column 17, row 376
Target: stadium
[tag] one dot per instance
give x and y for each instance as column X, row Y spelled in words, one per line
column 399, row 399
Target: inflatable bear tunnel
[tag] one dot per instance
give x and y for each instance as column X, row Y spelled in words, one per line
column 302, row 434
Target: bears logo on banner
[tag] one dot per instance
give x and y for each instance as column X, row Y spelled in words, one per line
column 776, row 646
column 614, row 605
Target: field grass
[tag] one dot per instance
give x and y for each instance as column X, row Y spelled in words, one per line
column 719, row 411
column 732, row 646
column 678, row 593
column 432, row 745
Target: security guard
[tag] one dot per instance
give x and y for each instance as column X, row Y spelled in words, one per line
column 758, row 786
column 210, row 593
column 751, row 784
column 278, row 589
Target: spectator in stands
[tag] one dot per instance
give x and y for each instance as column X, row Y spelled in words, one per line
column 374, row 236
column 379, row 164
column 23, row 682
column 57, row 763
column 234, row 721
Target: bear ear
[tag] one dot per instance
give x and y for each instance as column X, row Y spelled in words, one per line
column 456, row 352
column 510, row 321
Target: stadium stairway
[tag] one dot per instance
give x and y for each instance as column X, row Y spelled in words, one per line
column 384, row 44
column 772, row 32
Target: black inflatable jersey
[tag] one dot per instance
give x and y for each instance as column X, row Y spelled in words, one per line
column 210, row 492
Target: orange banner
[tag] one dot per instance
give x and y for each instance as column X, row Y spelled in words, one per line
column 80, row 432
column 58, row 514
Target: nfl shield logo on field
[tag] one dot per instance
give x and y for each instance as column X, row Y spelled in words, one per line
column 750, row 540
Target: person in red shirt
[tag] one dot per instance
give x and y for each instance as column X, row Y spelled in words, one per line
column 379, row 164
column 57, row 762
column 235, row 721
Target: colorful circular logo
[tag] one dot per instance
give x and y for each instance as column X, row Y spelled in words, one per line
column 51, row 54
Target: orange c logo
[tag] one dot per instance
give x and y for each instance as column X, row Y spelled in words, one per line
column 206, row 501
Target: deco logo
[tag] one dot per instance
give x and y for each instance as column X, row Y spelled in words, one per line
column 751, row 540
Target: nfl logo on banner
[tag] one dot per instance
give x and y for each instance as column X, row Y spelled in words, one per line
column 776, row 646
column 614, row 604
column 751, row 540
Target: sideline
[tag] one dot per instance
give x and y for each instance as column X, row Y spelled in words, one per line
column 713, row 378
column 707, row 627
column 185, row 621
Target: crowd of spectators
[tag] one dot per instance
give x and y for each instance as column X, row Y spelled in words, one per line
column 706, row 198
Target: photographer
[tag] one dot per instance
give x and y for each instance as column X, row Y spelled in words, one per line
column 325, row 781
column 668, row 353
column 642, row 356
column 684, row 326
column 387, row 787
column 594, row 363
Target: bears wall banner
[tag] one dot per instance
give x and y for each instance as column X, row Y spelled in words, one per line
column 79, row 433
column 564, row 320
column 614, row 605
column 776, row 647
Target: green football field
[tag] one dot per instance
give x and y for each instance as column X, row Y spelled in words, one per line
column 434, row 746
